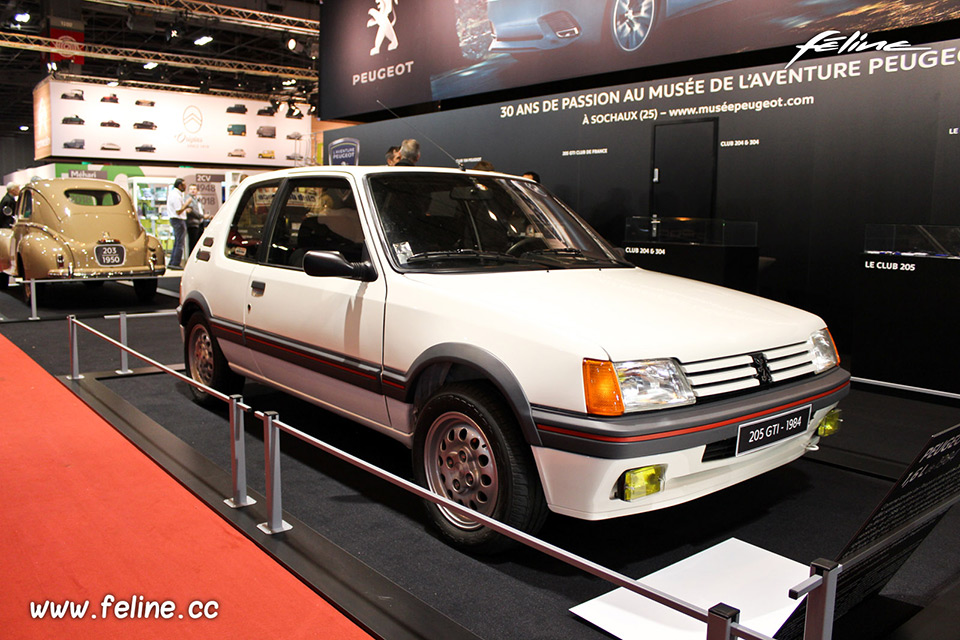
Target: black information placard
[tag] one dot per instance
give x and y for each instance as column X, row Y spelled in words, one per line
column 906, row 515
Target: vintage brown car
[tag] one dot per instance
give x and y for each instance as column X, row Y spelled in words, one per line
column 79, row 229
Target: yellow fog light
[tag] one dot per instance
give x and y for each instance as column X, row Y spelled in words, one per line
column 830, row 423
column 642, row 482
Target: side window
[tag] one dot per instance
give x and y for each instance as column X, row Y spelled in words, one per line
column 318, row 214
column 25, row 205
column 246, row 232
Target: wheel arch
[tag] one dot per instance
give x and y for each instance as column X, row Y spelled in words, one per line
column 454, row 362
column 193, row 303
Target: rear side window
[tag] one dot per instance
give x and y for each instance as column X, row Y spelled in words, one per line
column 26, row 205
column 246, row 231
column 93, row 197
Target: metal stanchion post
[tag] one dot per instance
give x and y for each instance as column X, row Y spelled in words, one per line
column 74, row 349
column 124, row 358
column 271, row 448
column 33, row 301
column 821, row 601
column 238, row 456
column 720, row 621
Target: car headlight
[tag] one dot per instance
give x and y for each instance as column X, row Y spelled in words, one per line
column 823, row 351
column 615, row 388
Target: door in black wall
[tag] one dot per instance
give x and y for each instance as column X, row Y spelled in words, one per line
column 685, row 169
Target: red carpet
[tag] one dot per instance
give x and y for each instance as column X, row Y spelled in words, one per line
column 87, row 515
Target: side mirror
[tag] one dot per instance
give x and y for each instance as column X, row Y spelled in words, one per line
column 332, row 264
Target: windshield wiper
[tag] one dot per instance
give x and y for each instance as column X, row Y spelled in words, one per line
column 462, row 254
column 569, row 252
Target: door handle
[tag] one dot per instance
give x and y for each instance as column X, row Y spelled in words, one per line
column 656, row 174
column 258, row 287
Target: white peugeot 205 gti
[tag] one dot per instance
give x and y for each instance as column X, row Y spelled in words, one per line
column 477, row 319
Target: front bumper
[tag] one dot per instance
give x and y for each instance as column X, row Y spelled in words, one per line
column 583, row 458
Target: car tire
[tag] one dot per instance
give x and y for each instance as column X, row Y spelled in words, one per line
column 626, row 31
column 205, row 363
column 146, row 290
column 468, row 447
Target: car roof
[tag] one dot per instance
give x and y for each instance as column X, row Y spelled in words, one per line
column 365, row 170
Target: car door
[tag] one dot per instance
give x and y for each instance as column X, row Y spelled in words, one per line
column 226, row 295
column 318, row 337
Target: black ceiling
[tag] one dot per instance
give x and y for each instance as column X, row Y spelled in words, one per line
column 128, row 24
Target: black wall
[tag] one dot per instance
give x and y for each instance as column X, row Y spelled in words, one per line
column 878, row 146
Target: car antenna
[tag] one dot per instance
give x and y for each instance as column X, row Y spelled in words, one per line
column 421, row 133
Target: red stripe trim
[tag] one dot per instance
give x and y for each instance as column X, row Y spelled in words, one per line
column 680, row 432
column 393, row 384
column 317, row 359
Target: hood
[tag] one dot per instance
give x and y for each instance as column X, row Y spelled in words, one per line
column 628, row 313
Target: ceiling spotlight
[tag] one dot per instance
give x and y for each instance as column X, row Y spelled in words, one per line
column 274, row 104
column 293, row 111
column 23, row 17
column 24, row 127
column 150, row 65
column 202, row 40
column 289, row 82
column 52, row 67
column 294, row 45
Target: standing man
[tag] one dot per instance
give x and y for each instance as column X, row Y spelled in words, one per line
column 176, row 211
column 409, row 153
column 392, row 155
column 9, row 200
column 195, row 216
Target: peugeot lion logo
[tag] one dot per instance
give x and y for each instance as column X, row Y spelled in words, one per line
column 192, row 119
column 383, row 17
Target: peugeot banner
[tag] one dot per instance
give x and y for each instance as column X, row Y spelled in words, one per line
column 388, row 53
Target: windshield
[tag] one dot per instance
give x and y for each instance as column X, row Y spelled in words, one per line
column 440, row 221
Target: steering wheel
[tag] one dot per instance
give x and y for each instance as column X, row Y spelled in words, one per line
column 514, row 248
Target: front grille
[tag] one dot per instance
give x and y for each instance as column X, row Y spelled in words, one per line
column 761, row 369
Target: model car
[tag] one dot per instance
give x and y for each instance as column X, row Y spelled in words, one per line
column 478, row 320
column 72, row 120
column 145, row 103
column 538, row 25
column 237, row 108
column 146, row 148
column 73, row 94
column 294, row 135
column 266, row 111
column 267, row 131
column 146, row 124
column 110, row 146
column 296, row 157
column 268, row 154
column 110, row 98
column 110, row 123
column 77, row 229
column 237, row 153
column 76, row 143
column 236, row 129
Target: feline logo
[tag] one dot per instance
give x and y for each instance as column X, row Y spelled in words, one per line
column 383, row 17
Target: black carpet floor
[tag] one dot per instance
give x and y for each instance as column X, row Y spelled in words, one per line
column 806, row 510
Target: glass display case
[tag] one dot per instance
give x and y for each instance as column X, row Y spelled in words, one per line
column 705, row 231
column 722, row 252
column 913, row 240
column 150, row 199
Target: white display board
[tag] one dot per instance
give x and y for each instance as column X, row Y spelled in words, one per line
column 93, row 121
column 738, row 574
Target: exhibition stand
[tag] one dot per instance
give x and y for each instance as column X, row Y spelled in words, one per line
column 871, row 558
column 720, row 252
column 906, row 333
